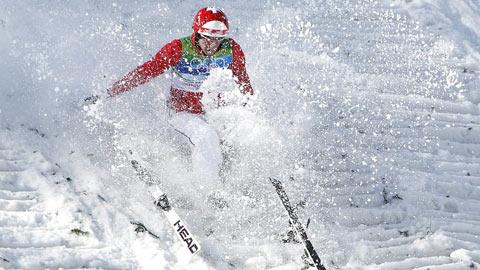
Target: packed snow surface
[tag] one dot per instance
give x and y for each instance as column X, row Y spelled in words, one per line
column 368, row 111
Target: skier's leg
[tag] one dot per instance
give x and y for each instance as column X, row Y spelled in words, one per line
column 205, row 146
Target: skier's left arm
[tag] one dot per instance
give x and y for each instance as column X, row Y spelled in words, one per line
column 238, row 69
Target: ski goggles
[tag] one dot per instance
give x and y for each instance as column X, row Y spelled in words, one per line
column 212, row 39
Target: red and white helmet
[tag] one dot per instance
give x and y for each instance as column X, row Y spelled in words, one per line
column 211, row 22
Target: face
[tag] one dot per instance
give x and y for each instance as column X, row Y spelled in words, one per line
column 209, row 45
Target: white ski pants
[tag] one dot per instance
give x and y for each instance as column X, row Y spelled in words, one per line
column 204, row 144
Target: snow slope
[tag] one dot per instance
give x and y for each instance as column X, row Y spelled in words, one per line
column 368, row 111
column 43, row 223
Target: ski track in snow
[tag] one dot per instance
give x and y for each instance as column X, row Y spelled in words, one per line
column 403, row 191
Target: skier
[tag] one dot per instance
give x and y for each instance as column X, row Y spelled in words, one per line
column 191, row 59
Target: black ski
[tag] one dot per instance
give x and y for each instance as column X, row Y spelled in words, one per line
column 296, row 223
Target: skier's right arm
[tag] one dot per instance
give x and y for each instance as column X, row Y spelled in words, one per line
column 167, row 57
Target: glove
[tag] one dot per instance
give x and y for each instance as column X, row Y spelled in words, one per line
column 91, row 100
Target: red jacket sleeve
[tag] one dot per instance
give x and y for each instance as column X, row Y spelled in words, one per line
column 167, row 57
column 239, row 70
